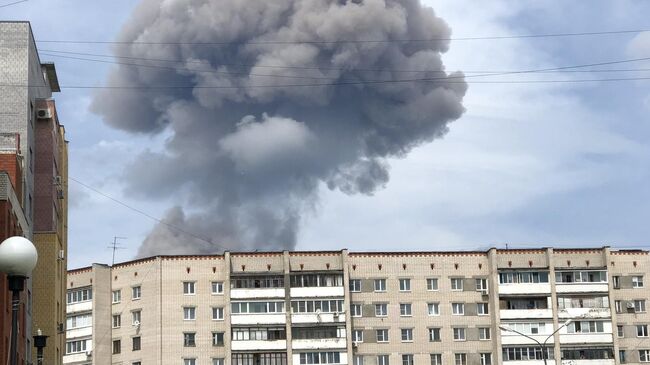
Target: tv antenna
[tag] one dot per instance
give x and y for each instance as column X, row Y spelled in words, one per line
column 115, row 246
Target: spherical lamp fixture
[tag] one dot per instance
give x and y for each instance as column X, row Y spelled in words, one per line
column 18, row 256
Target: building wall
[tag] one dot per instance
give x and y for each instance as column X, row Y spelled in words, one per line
column 163, row 300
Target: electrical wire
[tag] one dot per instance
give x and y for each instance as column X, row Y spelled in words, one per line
column 143, row 213
column 14, row 3
column 547, row 35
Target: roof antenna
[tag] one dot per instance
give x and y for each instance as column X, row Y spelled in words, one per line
column 115, row 247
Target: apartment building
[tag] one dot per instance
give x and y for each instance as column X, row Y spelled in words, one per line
column 366, row 308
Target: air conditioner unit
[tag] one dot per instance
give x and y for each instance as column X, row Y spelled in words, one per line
column 89, row 353
column 61, row 254
column 630, row 305
column 58, row 180
column 484, row 292
column 355, row 344
column 136, row 323
column 43, row 113
column 59, row 194
column 60, row 328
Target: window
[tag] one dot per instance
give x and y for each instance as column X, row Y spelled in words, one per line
column 637, row 281
column 484, row 333
column 381, row 310
column 581, row 276
column 639, row 306
column 357, row 335
column 456, row 284
column 526, row 353
column 523, row 277
column 481, row 285
column 79, row 321
column 434, row 334
column 217, row 339
column 432, row 284
column 458, row 309
column 621, row 356
column 136, row 363
column 217, row 287
column 405, row 310
column 256, row 282
column 189, row 313
column 136, row 317
column 136, row 343
column 585, row 327
column 380, row 284
column 644, row 355
column 189, row 361
column 641, row 330
column 404, row 284
column 460, row 359
column 529, row 328
column 319, row 358
column 436, row 359
column 407, row 334
column 312, row 306
column 136, row 292
column 459, row 334
column 618, row 306
column 358, row 360
column 356, row 310
column 482, row 309
column 315, row 280
column 218, row 361
column 619, row 331
column 382, row 335
column 279, row 333
column 382, row 360
column 72, row 347
column 433, row 309
column 217, row 313
column 189, row 288
column 189, row 339
column 117, row 320
column 616, row 282
column 80, row 295
column 117, row 346
column 269, row 358
column 355, row 285
column 117, row 296
column 271, row 307
column 486, row 358
column 407, row 359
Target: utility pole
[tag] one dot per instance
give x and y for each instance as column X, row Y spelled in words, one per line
column 114, row 246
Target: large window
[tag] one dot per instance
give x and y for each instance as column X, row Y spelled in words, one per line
column 72, row 347
column 273, row 358
column 482, row 309
column 320, row 358
column 257, row 282
column 316, row 280
column 525, row 353
column 264, row 334
column 80, row 320
column 581, row 276
column 80, row 295
column 585, row 327
column 312, row 306
column 587, row 354
column 528, row 328
column 319, row 332
column 583, row 302
column 523, row 277
column 257, row 307
column 484, row 333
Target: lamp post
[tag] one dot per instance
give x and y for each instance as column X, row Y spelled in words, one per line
column 17, row 259
column 542, row 345
column 40, row 341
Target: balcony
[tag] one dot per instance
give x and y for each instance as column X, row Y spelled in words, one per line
column 255, row 345
column 584, row 287
column 318, row 318
column 342, row 361
column 508, row 338
column 86, row 306
column 525, row 313
column 525, row 288
column 254, row 318
column 80, row 357
column 323, row 291
column 580, row 338
column 527, row 362
column 589, row 362
column 322, row 343
column 79, row 332
column 257, row 293
column 584, row 313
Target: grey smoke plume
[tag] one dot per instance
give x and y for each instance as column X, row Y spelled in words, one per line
column 249, row 160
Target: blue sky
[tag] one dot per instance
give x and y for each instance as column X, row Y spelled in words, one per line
column 528, row 164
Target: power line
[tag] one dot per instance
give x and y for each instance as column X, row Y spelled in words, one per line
column 114, row 246
column 50, row 52
column 14, row 3
column 271, row 42
column 158, row 220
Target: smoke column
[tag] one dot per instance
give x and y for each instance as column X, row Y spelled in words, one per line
column 249, row 148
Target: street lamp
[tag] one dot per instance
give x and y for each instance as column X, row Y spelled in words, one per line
column 40, row 341
column 542, row 345
column 17, row 259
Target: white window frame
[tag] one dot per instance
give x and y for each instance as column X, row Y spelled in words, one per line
column 434, row 334
column 405, row 310
column 432, row 284
column 116, row 296
column 637, row 281
column 356, row 310
column 383, row 312
column 404, row 284
column 219, row 311
column 433, row 309
column 383, row 360
column 218, row 361
column 355, row 285
column 407, row 359
column 136, row 315
column 357, row 336
column 189, row 288
column 484, row 334
column 436, row 359
column 641, row 330
column 485, row 358
column 136, row 292
column 384, row 336
column 482, row 309
column 639, row 306
column 380, row 285
column 459, row 334
column 456, row 284
column 644, row 355
column 460, row 359
column 460, row 306
column 216, row 288
column 189, row 313
column 116, row 321
column 406, row 334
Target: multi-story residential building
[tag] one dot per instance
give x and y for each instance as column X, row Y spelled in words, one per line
column 28, row 117
column 366, row 308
